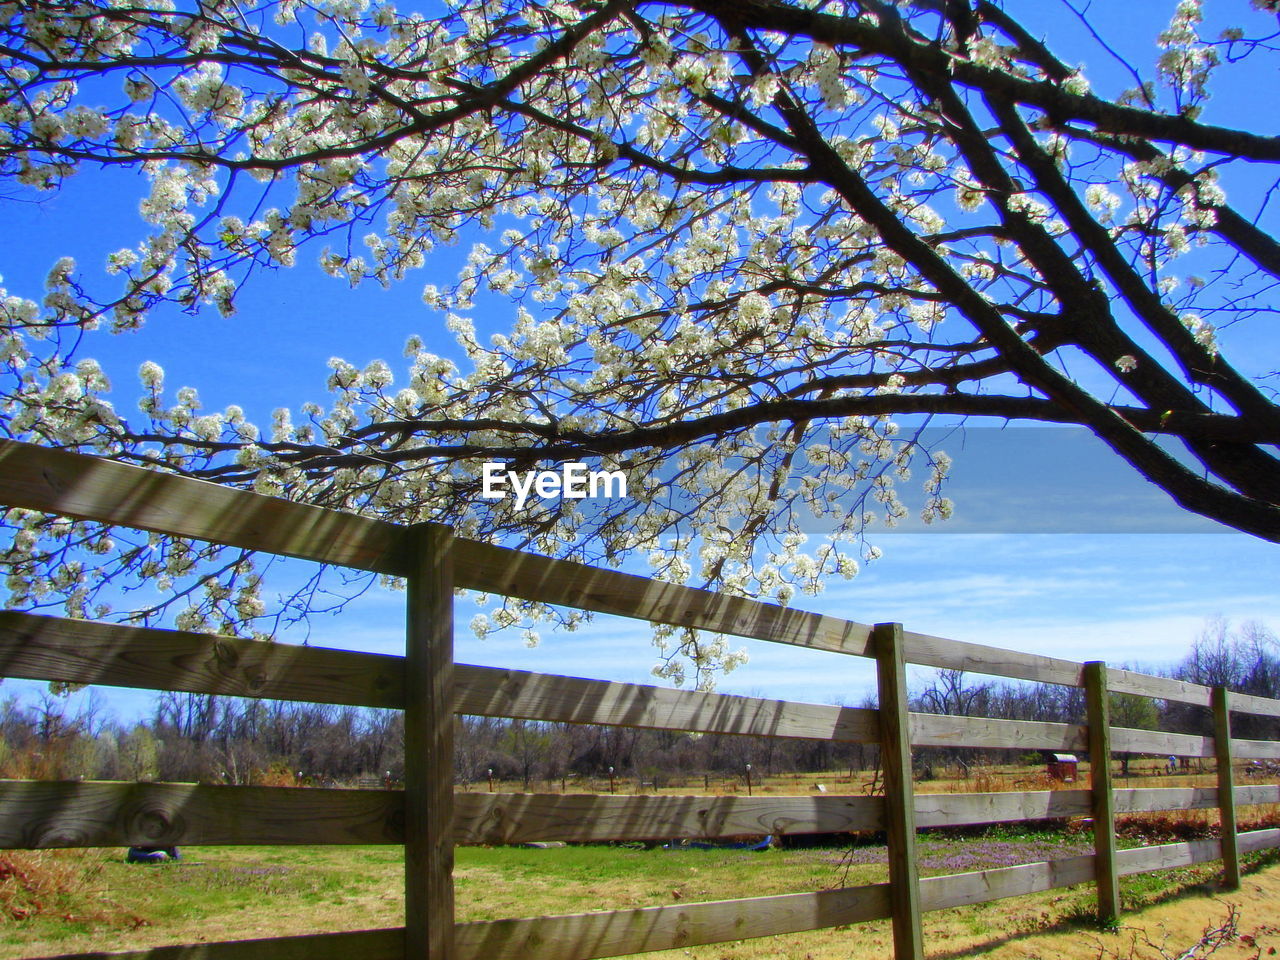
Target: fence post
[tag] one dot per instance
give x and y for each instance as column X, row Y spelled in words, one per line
column 899, row 799
column 1226, row 788
column 428, row 746
column 1098, row 712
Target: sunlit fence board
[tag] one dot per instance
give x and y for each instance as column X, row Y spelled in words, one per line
column 964, row 809
column 515, row 693
column 939, row 730
column 79, row 651
column 51, row 814
column 1166, row 855
column 1258, row 793
column 1262, row 706
column 983, row 886
column 1160, row 688
column 618, row 933
column 1256, row 749
column 1126, row 740
column 1255, row 840
column 518, row 818
column 930, row 651
column 1147, row 799
column 533, row 577
column 38, row 814
column 87, row 488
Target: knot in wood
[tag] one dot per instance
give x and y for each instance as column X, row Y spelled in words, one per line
column 225, row 655
column 153, row 822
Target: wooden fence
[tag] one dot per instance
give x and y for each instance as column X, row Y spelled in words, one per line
column 428, row 818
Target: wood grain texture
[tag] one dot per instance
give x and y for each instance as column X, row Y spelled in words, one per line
column 588, row 935
column 53, row 648
column 1145, row 799
column 956, row 809
column 1257, row 793
column 81, row 651
column 1226, row 788
column 428, row 747
column 516, row 693
column 933, row 651
column 1255, row 749
column 1166, row 855
column 520, row 818
column 37, row 814
column 899, row 802
column 89, row 488
column 939, row 730
column 529, row 576
column 53, row 814
column 1256, row 840
column 983, row 886
column 1161, row 688
column 1263, row 706
column 1098, row 714
column 1128, row 740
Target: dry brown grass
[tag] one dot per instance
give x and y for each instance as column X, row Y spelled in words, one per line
column 1053, row 924
column 67, row 884
column 1048, row 926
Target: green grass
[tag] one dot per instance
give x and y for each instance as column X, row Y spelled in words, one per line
column 78, row 893
column 75, row 901
column 233, row 892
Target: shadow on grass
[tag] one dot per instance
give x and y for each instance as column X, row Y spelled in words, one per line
column 1136, row 894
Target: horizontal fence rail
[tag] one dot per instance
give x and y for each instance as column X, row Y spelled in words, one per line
column 585, row 936
column 88, row 488
column 39, row 647
column 53, row 814
column 52, row 648
column 428, row 817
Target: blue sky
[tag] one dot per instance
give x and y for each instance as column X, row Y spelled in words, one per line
column 1056, row 547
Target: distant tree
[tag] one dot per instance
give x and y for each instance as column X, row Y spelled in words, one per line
column 528, row 744
column 1136, row 713
column 949, row 693
column 382, row 740
column 476, row 748
column 740, row 238
column 138, row 754
column 1244, row 659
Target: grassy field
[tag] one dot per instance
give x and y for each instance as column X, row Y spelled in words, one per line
column 77, row 901
column 56, row 902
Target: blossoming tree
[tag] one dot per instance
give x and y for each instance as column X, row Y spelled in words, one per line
column 741, row 237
